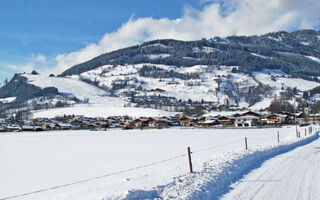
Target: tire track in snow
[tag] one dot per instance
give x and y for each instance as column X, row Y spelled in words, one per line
column 297, row 170
column 262, row 181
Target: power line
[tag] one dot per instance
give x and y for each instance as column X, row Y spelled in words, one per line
column 216, row 146
column 95, row 178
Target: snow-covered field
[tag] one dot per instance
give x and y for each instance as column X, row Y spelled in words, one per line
column 108, row 108
column 281, row 80
column 36, row 161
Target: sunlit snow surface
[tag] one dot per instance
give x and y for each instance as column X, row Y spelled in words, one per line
column 35, row 161
column 100, row 103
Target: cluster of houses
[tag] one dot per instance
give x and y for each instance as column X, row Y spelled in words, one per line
column 238, row 120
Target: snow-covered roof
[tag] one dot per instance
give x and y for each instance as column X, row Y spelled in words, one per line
column 211, row 118
column 209, row 121
column 161, row 119
column 27, row 127
column 248, row 117
column 13, row 126
column 65, row 125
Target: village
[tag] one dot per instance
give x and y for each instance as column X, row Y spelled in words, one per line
column 247, row 119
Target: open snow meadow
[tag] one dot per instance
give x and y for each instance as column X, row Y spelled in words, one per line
column 135, row 164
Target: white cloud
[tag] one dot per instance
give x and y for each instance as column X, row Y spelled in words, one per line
column 216, row 18
column 35, row 62
column 21, row 68
column 40, row 58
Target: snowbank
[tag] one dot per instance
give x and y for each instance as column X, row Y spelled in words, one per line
column 216, row 176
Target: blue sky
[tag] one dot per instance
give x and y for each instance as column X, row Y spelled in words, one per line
column 32, row 27
column 56, row 34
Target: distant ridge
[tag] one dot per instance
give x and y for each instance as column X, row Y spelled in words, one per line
column 279, row 50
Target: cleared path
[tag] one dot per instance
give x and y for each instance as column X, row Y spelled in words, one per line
column 293, row 175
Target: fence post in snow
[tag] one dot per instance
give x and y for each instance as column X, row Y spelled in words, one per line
column 305, row 132
column 278, row 136
column 246, row 142
column 190, row 162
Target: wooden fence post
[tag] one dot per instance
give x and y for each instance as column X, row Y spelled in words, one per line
column 246, row 142
column 278, row 136
column 305, row 132
column 190, row 162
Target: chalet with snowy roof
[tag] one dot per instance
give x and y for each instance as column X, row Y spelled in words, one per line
column 141, row 122
column 208, row 121
column 111, row 121
column 102, row 124
column 174, row 119
column 91, row 125
column 251, row 113
column 78, row 122
column 49, row 126
column 188, row 121
column 14, row 128
column 64, row 126
column 314, row 117
column 159, row 122
column 128, row 124
column 290, row 117
column 37, row 128
column 274, row 118
column 27, row 128
column 226, row 120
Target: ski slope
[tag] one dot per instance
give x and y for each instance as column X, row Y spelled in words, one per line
column 293, row 175
column 78, row 88
column 100, row 103
column 131, row 164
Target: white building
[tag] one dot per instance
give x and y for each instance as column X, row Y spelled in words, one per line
column 246, row 121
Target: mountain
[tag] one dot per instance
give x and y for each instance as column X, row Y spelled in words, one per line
column 210, row 74
column 294, row 53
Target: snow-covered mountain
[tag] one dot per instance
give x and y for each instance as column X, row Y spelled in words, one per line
column 219, row 73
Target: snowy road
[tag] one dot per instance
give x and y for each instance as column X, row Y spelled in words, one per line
column 293, row 175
